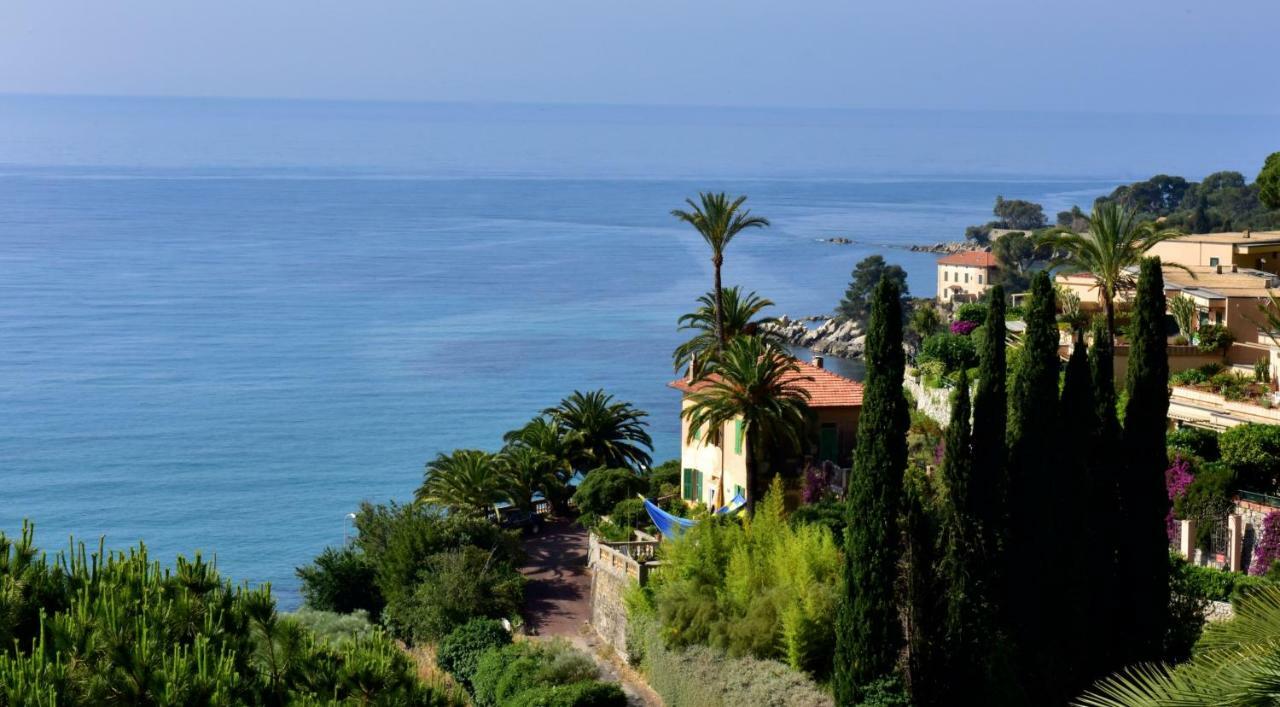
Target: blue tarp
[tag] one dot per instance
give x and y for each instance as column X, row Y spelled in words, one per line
column 672, row 526
column 737, row 502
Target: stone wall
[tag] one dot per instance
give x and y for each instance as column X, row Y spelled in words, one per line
column 934, row 402
column 614, row 568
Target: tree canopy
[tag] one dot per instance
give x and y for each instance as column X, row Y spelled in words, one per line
column 866, row 275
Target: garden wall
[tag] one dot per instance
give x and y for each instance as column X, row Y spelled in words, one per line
column 934, row 402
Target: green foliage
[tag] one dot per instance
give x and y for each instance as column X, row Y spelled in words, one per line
column 331, row 627
column 583, row 694
column 604, row 488
column 1017, row 254
column 828, row 512
column 702, row 676
column 601, row 431
column 1019, row 214
column 503, row 674
column 1214, row 338
column 925, row 321
column 1268, row 182
column 1207, row 500
column 1221, row 202
column 1183, row 309
column 630, row 513
column 1196, row 376
column 866, row 275
column 460, row 652
column 760, row 587
column 664, row 479
column 1198, row 442
column 990, row 422
column 464, row 480
column 1253, row 453
column 341, row 580
column 868, row 632
column 740, row 319
column 975, row 312
column 98, row 628
column 955, row 351
column 454, row 587
column 1144, row 554
column 885, row 692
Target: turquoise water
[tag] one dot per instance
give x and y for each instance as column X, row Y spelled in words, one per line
column 226, row 323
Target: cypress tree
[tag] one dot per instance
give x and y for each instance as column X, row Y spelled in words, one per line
column 1145, row 546
column 928, row 671
column 1103, row 512
column 868, row 631
column 1031, row 594
column 990, row 420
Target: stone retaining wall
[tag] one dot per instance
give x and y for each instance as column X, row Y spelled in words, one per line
column 614, row 568
column 934, row 402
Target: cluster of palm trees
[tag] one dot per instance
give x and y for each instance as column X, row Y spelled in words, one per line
column 741, row 369
column 584, row 431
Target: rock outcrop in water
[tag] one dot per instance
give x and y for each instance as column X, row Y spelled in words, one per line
column 832, row 337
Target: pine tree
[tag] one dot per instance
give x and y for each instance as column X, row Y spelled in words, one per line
column 1103, row 508
column 868, row 631
column 1031, row 595
column 990, row 420
column 1145, row 546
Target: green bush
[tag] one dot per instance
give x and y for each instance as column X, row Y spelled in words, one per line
column 630, row 513
column 583, row 694
column 662, row 477
column 98, row 628
column 1200, row 443
column 603, row 488
column 504, row 673
column 455, row 587
column 765, row 588
column 975, row 312
column 700, row 676
column 954, row 351
column 829, row 512
column 459, row 653
column 341, row 580
column 1214, row 338
column 1253, row 453
column 331, row 627
column 1207, row 500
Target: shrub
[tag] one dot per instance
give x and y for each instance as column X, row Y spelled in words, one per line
column 455, row 587
column 1206, row 500
column 504, row 673
column 591, row 693
column 962, row 327
column 630, row 513
column 459, row 653
column 975, row 312
column 1196, row 376
column 1199, row 442
column 1177, row 478
column 1268, row 549
column 954, row 351
column 665, row 475
column 341, row 580
column 603, row 488
column 1213, row 338
column 828, row 512
column 1253, row 453
column 331, row 627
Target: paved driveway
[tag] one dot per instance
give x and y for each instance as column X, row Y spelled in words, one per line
column 558, row 596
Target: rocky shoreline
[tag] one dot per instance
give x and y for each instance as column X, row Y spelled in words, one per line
column 944, row 247
column 832, row 337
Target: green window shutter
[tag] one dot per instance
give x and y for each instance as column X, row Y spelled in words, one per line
column 698, row 478
column 688, row 483
column 738, row 491
column 737, row 437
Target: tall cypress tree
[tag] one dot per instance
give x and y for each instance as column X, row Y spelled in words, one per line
column 990, row 421
column 924, row 600
column 1033, row 418
column 1145, row 546
column 868, row 632
column 1103, row 510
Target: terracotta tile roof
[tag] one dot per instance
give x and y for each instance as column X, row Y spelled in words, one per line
column 826, row 389
column 970, row 258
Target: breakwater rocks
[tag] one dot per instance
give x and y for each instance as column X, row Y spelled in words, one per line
column 948, row 248
column 845, row 339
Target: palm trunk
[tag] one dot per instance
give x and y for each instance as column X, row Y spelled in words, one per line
column 752, row 471
column 717, row 260
column 1109, row 304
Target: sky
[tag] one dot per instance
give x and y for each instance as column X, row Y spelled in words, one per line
column 1185, row 56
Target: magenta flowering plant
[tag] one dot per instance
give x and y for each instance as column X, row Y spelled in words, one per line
column 816, row 485
column 1176, row 480
column 963, row 327
column 1268, row 550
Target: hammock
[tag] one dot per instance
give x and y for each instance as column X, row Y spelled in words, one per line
column 672, row 526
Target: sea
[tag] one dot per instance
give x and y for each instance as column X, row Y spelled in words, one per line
column 226, row 323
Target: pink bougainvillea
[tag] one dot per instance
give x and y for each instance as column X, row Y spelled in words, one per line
column 1176, row 480
column 963, row 327
column 816, row 485
column 1268, row 550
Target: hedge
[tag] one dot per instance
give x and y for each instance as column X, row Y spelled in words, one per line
column 460, row 652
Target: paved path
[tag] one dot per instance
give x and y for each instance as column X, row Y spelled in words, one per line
column 558, row 596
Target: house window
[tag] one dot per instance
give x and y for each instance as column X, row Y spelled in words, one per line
column 691, row 490
column 737, row 437
column 946, row 276
column 979, row 279
column 1213, row 262
column 966, row 278
column 1217, row 318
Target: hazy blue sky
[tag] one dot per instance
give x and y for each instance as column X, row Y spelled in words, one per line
column 1106, row 55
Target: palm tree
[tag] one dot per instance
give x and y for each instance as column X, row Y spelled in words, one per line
column 740, row 312
column 1235, row 663
column 1113, row 243
column 526, row 472
column 553, row 443
column 463, row 480
column 601, row 432
column 718, row 220
column 755, row 383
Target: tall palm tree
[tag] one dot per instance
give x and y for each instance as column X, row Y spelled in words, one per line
column 755, row 383
column 718, row 220
column 554, row 444
column 525, row 473
column 1235, row 663
column 467, row 480
column 1113, row 243
column 740, row 319
column 602, row 432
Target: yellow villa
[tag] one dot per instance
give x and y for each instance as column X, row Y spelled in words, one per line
column 714, row 474
column 964, row 277
column 1257, row 250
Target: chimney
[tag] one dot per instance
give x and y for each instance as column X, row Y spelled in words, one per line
column 1247, row 233
column 1219, row 269
column 817, row 361
column 693, row 365
column 1234, row 268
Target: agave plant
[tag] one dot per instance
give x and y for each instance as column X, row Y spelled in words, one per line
column 1236, row 662
column 741, row 318
column 1183, row 310
column 467, row 480
column 602, row 432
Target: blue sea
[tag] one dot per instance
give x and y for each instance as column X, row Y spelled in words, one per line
column 225, row 323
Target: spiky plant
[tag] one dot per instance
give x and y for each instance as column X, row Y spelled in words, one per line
column 718, row 220
column 741, row 314
column 468, row 480
column 1183, row 310
column 602, row 431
